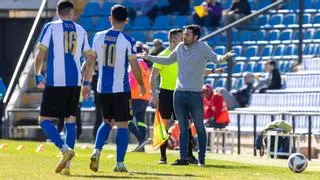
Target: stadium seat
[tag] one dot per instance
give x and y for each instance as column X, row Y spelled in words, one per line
column 289, row 20
column 260, row 21
column 316, row 20
column 273, row 36
column 103, row 23
column 275, row 19
column 259, row 68
column 220, row 50
column 266, row 52
column 252, row 53
column 91, row 9
column 286, row 36
column 245, row 36
column 161, row 23
column 308, row 35
column 160, row 35
column 261, row 4
column 238, row 83
column 307, row 20
column 235, row 36
column 308, row 49
column 162, row 3
column 211, row 66
column 238, row 68
column 215, row 40
column 139, row 36
column 180, row 21
column 280, row 66
column 220, row 83
column 288, row 51
column 106, row 9
column 141, row 23
column 316, row 37
column 238, row 52
column 86, row 23
column 278, row 52
column 260, row 37
column 226, row 4
column 249, row 67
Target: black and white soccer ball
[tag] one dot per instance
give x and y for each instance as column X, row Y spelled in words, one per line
column 297, row 162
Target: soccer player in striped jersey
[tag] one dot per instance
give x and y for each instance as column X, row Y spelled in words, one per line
column 114, row 51
column 62, row 43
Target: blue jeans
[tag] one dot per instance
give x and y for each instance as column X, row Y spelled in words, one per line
column 188, row 103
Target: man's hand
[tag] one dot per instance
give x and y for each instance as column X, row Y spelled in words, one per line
column 219, row 70
column 155, row 100
column 86, row 88
column 40, row 81
column 143, row 55
column 142, row 90
column 228, row 55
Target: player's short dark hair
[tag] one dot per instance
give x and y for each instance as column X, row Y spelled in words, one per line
column 119, row 13
column 174, row 32
column 272, row 63
column 64, row 7
column 195, row 30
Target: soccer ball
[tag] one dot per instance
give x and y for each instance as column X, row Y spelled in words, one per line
column 297, row 162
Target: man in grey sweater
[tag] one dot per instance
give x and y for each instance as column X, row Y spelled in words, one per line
column 191, row 56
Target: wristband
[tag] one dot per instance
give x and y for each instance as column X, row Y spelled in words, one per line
column 86, row 83
column 38, row 79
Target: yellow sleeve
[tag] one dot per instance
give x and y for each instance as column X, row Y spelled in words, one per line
column 158, row 66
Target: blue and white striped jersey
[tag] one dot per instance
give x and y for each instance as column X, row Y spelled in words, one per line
column 65, row 42
column 113, row 49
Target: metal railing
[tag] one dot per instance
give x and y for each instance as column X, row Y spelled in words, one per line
column 23, row 57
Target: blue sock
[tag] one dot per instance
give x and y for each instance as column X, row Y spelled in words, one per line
column 122, row 143
column 143, row 130
column 52, row 133
column 102, row 135
column 70, row 134
column 134, row 130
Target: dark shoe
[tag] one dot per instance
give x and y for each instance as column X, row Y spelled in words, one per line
column 139, row 149
column 201, row 163
column 180, row 162
column 193, row 160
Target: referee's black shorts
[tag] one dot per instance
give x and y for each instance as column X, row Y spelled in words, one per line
column 60, row 101
column 116, row 106
column 166, row 104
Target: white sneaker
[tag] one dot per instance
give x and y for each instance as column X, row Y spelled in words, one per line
column 120, row 167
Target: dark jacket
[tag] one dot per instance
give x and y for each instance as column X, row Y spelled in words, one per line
column 275, row 80
column 243, row 95
column 241, row 7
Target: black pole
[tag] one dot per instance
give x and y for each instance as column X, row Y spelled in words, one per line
column 272, row 117
column 239, row 133
column 294, row 124
column 309, row 137
column 300, row 51
column 254, row 134
column 230, row 64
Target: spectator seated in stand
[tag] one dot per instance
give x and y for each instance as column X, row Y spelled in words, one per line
column 273, row 80
column 143, row 8
column 211, row 16
column 239, row 98
column 238, row 9
column 215, row 110
column 157, row 47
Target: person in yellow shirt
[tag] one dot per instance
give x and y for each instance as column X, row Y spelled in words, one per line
column 139, row 104
column 163, row 100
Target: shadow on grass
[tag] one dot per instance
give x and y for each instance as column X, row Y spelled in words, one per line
column 226, row 166
column 112, row 177
column 164, row 174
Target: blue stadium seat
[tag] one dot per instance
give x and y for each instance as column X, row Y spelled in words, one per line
column 238, row 50
column 249, row 67
column 197, row 2
column 106, row 9
column 261, row 4
column 259, row 68
column 235, row 36
column 316, row 19
column 91, row 9
column 226, row 4
column 215, row 40
column 278, row 52
column 220, row 50
column 160, row 35
column 220, row 83
column 316, row 37
column 139, row 36
column 266, row 52
column 141, row 23
column 286, row 36
column 288, row 51
column 276, row 19
column 86, row 23
column 238, row 83
column 162, row 3
column 308, row 35
column 273, row 35
column 238, row 68
column 161, row 23
column 281, row 66
column 260, row 37
column 180, row 21
column 245, row 36
column 307, row 20
column 103, row 23
column 211, row 66
column 252, row 53
column 307, row 49
column 260, row 21
column 289, row 20
column 209, row 81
